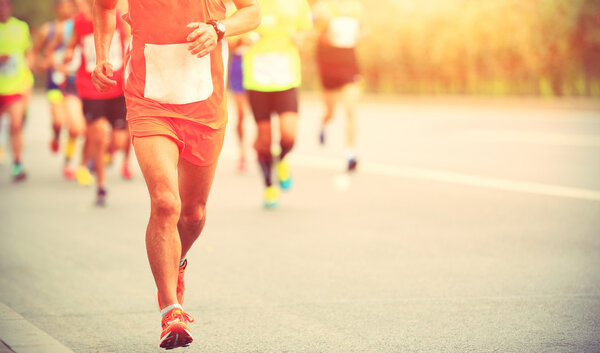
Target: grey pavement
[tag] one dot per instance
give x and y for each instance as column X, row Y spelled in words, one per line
column 380, row 261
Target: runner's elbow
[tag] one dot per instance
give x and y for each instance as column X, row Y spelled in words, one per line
column 256, row 18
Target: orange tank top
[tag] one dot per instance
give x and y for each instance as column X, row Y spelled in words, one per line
column 162, row 78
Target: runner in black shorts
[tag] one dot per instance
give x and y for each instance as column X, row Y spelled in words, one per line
column 102, row 110
column 271, row 77
column 338, row 23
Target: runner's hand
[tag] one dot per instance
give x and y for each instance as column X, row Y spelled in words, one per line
column 203, row 39
column 101, row 77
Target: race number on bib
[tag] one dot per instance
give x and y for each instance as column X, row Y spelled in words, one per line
column 115, row 56
column 273, row 69
column 174, row 76
column 10, row 66
column 343, row 32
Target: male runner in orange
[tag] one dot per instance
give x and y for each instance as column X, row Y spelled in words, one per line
column 176, row 109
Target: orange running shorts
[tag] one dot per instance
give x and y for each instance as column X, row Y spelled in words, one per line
column 198, row 143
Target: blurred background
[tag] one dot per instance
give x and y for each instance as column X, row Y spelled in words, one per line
column 549, row 48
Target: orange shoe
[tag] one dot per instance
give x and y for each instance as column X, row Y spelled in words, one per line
column 126, row 171
column 180, row 285
column 176, row 332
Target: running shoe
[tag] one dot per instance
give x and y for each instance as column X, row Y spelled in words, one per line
column 352, row 164
column 180, row 284
column 54, row 146
column 126, row 171
column 242, row 165
column 18, row 173
column 175, row 330
column 108, row 158
column 83, row 176
column 69, row 172
column 271, row 197
column 70, row 147
column 101, row 197
column 322, row 137
column 284, row 174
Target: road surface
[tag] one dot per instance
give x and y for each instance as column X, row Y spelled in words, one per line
column 470, row 226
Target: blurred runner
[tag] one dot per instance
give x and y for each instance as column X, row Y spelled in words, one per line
column 16, row 79
column 102, row 110
column 272, row 76
column 339, row 26
column 238, row 45
column 177, row 112
column 65, row 105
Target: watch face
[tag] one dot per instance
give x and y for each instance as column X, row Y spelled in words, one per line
column 221, row 27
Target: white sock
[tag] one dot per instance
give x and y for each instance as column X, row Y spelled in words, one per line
column 164, row 311
column 181, row 262
column 350, row 154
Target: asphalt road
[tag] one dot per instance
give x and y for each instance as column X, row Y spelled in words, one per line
column 470, row 226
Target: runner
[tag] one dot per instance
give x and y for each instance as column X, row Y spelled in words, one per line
column 16, row 79
column 64, row 10
column 339, row 26
column 102, row 110
column 238, row 45
column 237, row 48
column 176, row 108
column 272, row 76
column 65, row 105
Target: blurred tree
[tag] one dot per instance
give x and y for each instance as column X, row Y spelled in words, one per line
column 549, row 47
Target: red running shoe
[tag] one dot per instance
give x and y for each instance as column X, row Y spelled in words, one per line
column 175, row 331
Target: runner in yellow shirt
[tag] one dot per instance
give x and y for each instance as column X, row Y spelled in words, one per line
column 271, row 76
column 16, row 78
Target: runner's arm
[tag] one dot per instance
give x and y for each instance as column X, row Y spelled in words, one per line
column 203, row 39
column 38, row 48
column 105, row 22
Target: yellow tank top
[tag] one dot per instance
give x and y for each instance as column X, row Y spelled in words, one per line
column 15, row 40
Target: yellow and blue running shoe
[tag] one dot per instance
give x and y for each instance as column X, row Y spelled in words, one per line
column 284, row 174
column 271, row 197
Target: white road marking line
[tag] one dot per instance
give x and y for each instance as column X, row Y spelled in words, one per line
column 531, row 138
column 23, row 337
column 452, row 177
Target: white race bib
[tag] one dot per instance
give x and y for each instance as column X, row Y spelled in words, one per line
column 272, row 69
column 75, row 63
column 174, row 76
column 343, row 32
column 10, row 66
column 115, row 57
column 58, row 56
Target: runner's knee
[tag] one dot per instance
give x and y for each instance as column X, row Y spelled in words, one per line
column 193, row 216
column 165, row 205
column 287, row 142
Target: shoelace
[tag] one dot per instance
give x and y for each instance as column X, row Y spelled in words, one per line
column 187, row 317
column 182, row 316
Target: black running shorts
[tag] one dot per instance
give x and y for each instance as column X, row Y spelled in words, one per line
column 337, row 66
column 264, row 104
column 113, row 109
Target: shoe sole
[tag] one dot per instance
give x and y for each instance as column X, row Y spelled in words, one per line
column 179, row 336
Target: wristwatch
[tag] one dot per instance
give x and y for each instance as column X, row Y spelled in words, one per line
column 219, row 28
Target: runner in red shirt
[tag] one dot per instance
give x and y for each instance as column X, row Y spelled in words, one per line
column 102, row 110
column 176, row 109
